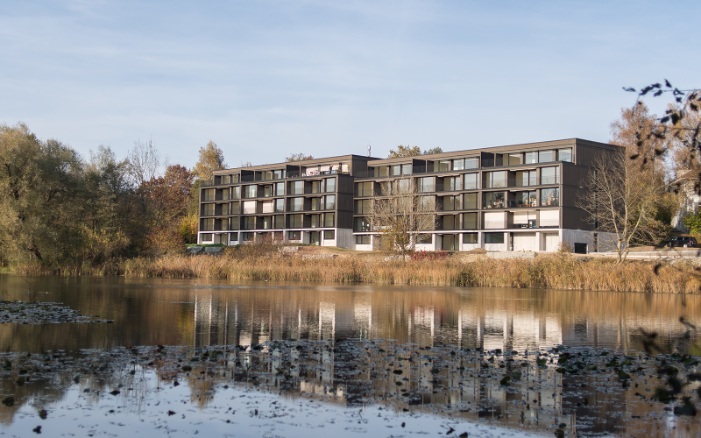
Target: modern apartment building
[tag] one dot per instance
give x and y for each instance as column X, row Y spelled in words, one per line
column 506, row 198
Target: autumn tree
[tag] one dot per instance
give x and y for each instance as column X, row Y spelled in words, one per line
column 211, row 159
column 143, row 162
column 411, row 151
column 400, row 214
column 298, row 157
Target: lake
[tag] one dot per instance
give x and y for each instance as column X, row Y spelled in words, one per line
column 362, row 359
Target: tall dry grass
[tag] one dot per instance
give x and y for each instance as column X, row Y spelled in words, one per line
column 553, row 271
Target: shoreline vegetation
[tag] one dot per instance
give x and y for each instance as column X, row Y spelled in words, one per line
column 561, row 271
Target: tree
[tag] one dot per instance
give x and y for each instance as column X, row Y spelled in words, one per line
column 211, row 159
column 143, row 162
column 298, row 157
column 621, row 199
column 400, row 214
column 411, row 151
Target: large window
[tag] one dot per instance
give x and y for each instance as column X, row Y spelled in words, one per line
column 469, row 221
column 268, row 191
column 279, row 205
column 452, row 203
column 249, row 223
column 279, row 189
column 546, row 156
column 294, row 235
column 493, row 237
column 550, row 175
column 362, row 239
column 296, row 187
column 363, row 206
column 250, row 191
column 472, row 163
column 279, row 221
column 329, row 220
column 315, row 221
column 329, row 234
column 471, row 181
column 452, row 183
column 329, row 202
column 550, row 197
column 316, row 204
column 526, row 178
column 495, row 179
column 469, row 238
column 249, row 207
column 364, row 189
column 445, row 165
column 330, row 185
column 427, row 184
column 361, row 224
column 524, row 199
column 494, row 200
column 296, row 204
column 564, row 154
column 449, row 222
column 531, row 157
column 458, row 164
column 469, row 201
column 207, row 209
column 236, row 192
column 296, row 220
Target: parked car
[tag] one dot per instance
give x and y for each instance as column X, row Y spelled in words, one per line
column 682, row 241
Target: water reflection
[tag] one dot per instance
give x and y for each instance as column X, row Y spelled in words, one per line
column 409, row 347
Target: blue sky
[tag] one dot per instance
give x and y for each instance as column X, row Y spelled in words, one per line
column 264, row 79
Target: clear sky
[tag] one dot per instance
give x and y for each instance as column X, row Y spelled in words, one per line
column 264, row 79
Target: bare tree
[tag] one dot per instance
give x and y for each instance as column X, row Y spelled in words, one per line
column 143, row 162
column 400, row 214
column 412, row 151
column 621, row 199
column 298, row 157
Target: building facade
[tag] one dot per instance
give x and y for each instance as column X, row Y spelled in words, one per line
column 506, row 198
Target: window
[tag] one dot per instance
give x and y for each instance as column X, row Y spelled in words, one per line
column 515, row 159
column 207, row 225
column 382, row 172
column 233, row 237
column 524, row 199
column 495, row 179
column 316, row 186
column 249, row 223
column 493, row 237
column 315, row 221
column 403, row 186
column 546, row 156
column 449, row 222
column 268, row 191
column 452, row 203
column 329, row 202
column 361, row 224
column 208, row 195
column 296, row 187
column 469, row 238
column 469, row 221
column 531, row 157
column 329, row 234
column 296, row 204
column 279, row 221
column 397, row 170
column 494, row 220
column 267, row 222
column 549, row 218
column 280, row 189
column 329, row 220
column 469, row 201
column 279, row 205
column 494, row 200
column 294, row 235
column 330, row 185
column 472, row 163
column 316, row 204
column 249, row 207
column 208, row 210
column 550, row 197
column 250, row 191
column 427, row 184
column 453, row 183
column 234, row 208
column 364, row 189
column 278, row 174
column 267, row 206
column 206, row 237
column 458, row 164
column 296, row 220
column 363, row 206
column 526, row 178
column 234, row 223
column 564, row 154
column 236, row 192
column 550, row 175
column 362, row 239
column 471, row 181
column 406, row 169
column 427, row 203
column 445, row 165
column 424, row 238
column 247, row 237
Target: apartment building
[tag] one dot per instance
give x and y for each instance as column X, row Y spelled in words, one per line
column 506, row 198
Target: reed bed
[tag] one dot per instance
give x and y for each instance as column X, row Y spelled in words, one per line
column 555, row 271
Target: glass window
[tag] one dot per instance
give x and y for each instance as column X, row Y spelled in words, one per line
column 296, row 187
column 524, row 199
column 329, row 220
column 546, row 156
column 329, row 234
column 471, row 181
column 427, row 184
column 249, row 207
column 234, row 223
column 469, row 201
column 469, row 238
column 531, row 157
column 550, row 175
column 448, row 222
column 279, row 205
column 493, row 237
column 363, row 206
column 330, row 185
column 469, row 221
column 280, row 189
column 233, row 237
column 495, row 179
column 494, row 200
column 316, row 204
column 452, row 203
column 268, row 191
column 250, row 191
column 361, row 224
column 364, row 188
column 444, row 165
column 382, row 172
column 362, row 239
column 296, row 204
column 315, row 221
column 207, row 225
column 279, row 221
column 472, row 163
column 404, row 185
column 406, row 169
column 267, row 222
column 294, row 235
column 453, row 183
column 427, row 203
column 550, row 197
column 249, row 223
column 206, row 237
column 236, row 192
column 564, row 154
column 515, row 159
column 458, row 164
column 397, row 170
column 330, row 202
column 208, row 210
column 316, row 186
column 296, row 220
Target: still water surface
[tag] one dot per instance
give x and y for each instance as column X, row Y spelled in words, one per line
column 204, row 314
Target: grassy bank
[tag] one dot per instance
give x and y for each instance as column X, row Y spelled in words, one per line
column 552, row 271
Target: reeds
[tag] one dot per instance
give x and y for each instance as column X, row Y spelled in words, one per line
column 553, row 271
